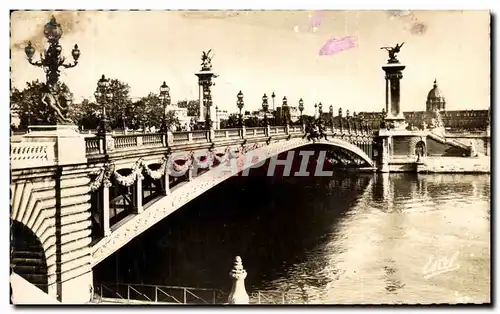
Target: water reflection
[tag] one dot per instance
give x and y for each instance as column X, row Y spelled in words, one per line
column 352, row 238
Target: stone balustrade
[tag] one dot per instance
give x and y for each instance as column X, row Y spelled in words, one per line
column 38, row 154
column 32, row 154
column 132, row 141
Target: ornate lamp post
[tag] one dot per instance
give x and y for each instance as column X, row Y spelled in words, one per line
column 265, row 107
column 208, row 104
column 240, row 105
column 165, row 100
column 301, row 108
column 331, row 115
column 340, row 119
column 217, row 122
column 320, row 111
column 274, row 109
column 102, row 97
column 285, row 110
column 51, row 60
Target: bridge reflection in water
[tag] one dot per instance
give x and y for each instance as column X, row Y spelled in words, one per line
column 351, row 238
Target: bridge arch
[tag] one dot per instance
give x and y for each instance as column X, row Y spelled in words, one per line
column 199, row 185
column 33, row 225
column 28, row 255
column 280, row 147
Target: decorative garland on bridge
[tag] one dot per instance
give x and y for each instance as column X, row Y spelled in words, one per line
column 157, row 174
column 130, row 179
column 168, row 166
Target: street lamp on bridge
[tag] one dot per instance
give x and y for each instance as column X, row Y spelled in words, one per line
column 301, row 108
column 51, row 60
column 320, row 111
column 274, row 109
column 103, row 96
column 331, row 115
column 165, row 100
column 265, row 107
column 285, row 110
column 240, row 105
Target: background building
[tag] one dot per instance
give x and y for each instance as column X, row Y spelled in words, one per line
column 453, row 120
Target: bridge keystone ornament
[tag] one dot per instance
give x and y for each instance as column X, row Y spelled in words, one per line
column 238, row 294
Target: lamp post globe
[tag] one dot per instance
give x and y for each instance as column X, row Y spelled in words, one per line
column 164, row 89
column 52, row 30
column 29, row 50
column 264, row 99
column 75, row 52
column 103, row 82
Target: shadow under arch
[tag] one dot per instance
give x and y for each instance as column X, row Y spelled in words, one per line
column 420, row 148
column 28, row 256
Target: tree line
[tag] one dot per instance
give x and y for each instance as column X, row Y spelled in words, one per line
column 122, row 111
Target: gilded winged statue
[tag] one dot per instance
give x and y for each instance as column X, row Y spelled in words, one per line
column 392, row 52
column 206, row 61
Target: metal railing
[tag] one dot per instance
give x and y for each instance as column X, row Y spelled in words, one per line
column 130, row 293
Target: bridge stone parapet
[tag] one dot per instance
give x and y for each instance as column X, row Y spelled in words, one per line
column 154, row 146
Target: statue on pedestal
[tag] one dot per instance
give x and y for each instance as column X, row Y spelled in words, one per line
column 315, row 130
column 392, row 52
column 473, row 152
column 58, row 103
column 206, row 61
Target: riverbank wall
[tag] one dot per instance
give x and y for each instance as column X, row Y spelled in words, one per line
column 480, row 164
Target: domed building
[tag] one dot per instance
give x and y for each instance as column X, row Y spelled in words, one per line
column 435, row 99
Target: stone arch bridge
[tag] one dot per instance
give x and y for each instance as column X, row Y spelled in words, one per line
column 72, row 205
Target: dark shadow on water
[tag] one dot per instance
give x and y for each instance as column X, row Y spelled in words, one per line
column 272, row 223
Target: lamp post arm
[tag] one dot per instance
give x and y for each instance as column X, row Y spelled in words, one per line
column 36, row 63
column 69, row 65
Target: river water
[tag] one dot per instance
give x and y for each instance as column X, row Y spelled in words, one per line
column 348, row 239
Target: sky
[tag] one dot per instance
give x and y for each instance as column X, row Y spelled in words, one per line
column 261, row 52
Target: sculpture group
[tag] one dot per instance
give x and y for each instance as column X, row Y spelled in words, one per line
column 392, row 52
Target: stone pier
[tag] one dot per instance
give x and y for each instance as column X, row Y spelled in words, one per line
column 50, row 212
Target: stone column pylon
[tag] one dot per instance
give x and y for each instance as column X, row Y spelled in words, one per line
column 393, row 76
column 204, row 93
column 238, row 293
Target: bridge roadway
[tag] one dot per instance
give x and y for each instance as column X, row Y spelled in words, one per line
column 54, row 195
